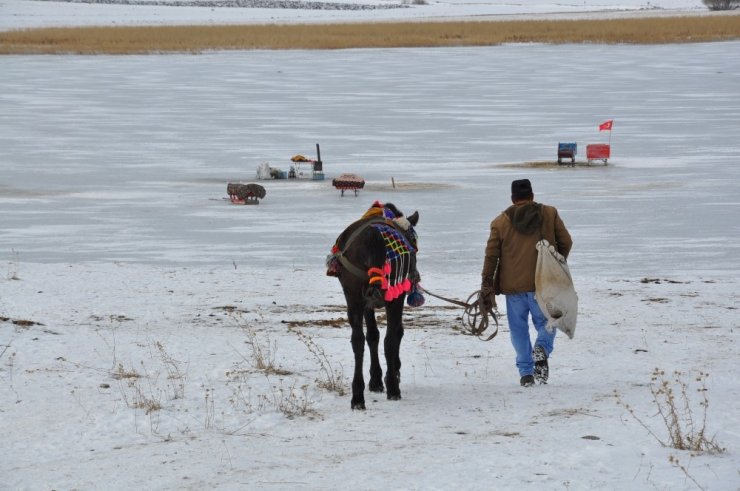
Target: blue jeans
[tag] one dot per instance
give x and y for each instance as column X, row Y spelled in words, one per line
column 518, row 308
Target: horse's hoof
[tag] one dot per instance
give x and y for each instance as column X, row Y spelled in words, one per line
column 376, row 387
column 395, row 397
column 358, row 405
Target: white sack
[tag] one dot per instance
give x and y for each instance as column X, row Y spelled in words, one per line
column 264, row 171
column 554, row 289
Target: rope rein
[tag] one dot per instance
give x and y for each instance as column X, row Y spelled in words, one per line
column 471, row 325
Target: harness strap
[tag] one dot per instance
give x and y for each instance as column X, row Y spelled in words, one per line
column 346, row 264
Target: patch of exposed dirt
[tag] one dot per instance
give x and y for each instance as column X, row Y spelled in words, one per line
column 656, row 300
column 20, row 322
column 569, row 412
column 509, row 434
column 112, row 317
column 658, row 281
column 337, row 323
column 446, row 317
column 231, row 309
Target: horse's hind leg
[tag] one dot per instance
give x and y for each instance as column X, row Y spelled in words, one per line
column 373, row 338
column 354, row 313
column 392, row 345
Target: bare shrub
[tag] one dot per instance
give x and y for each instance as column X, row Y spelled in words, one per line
column 13, row 267
column 148, row 404
column 264, row 349
column 120, row 373
column 140, row 390
column 9, row 362
column 241, row 391
column 721, row 4
column 174, row 371
column 685, row 430
column 333, row 379
column 210, row 408
column 291, row 401
column 676, row 463
column 137, row 390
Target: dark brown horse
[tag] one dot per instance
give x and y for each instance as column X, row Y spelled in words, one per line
column 375, row 261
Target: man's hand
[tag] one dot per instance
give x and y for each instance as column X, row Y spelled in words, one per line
column 487, row 298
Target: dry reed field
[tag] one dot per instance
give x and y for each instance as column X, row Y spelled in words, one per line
column 195, row 39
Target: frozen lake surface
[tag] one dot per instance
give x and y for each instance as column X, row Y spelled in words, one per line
column 126, row 158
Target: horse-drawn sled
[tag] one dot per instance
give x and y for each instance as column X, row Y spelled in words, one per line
column 598, row 151
column 351, row 182
column 567, row 151
column 245, row 194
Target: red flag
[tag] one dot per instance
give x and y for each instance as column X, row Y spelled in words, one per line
column 606, row 125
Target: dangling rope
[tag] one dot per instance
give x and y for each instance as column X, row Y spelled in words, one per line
column 471, row 325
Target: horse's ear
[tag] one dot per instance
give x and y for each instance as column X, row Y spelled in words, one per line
column 414, row 219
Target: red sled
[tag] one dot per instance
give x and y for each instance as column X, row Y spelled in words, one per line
column 351, row 182
column 598, row 151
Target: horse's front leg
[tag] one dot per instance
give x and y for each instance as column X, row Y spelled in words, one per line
column 373, row 338
column 354, row 313
column 392, row 345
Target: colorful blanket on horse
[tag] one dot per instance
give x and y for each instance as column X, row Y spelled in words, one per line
column 394, row 277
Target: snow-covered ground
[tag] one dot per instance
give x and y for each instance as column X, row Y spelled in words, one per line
column 43, row 13
column 136, row 303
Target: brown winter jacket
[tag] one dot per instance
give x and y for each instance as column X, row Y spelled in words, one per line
column 511, row 245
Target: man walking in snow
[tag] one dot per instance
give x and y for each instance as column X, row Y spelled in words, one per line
column 509, row 269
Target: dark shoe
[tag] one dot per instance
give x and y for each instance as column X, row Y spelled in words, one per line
column 527, row 381
column 541, row 369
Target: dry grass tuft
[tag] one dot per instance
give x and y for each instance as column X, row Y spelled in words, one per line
column 196, row 39
column 685, row 424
